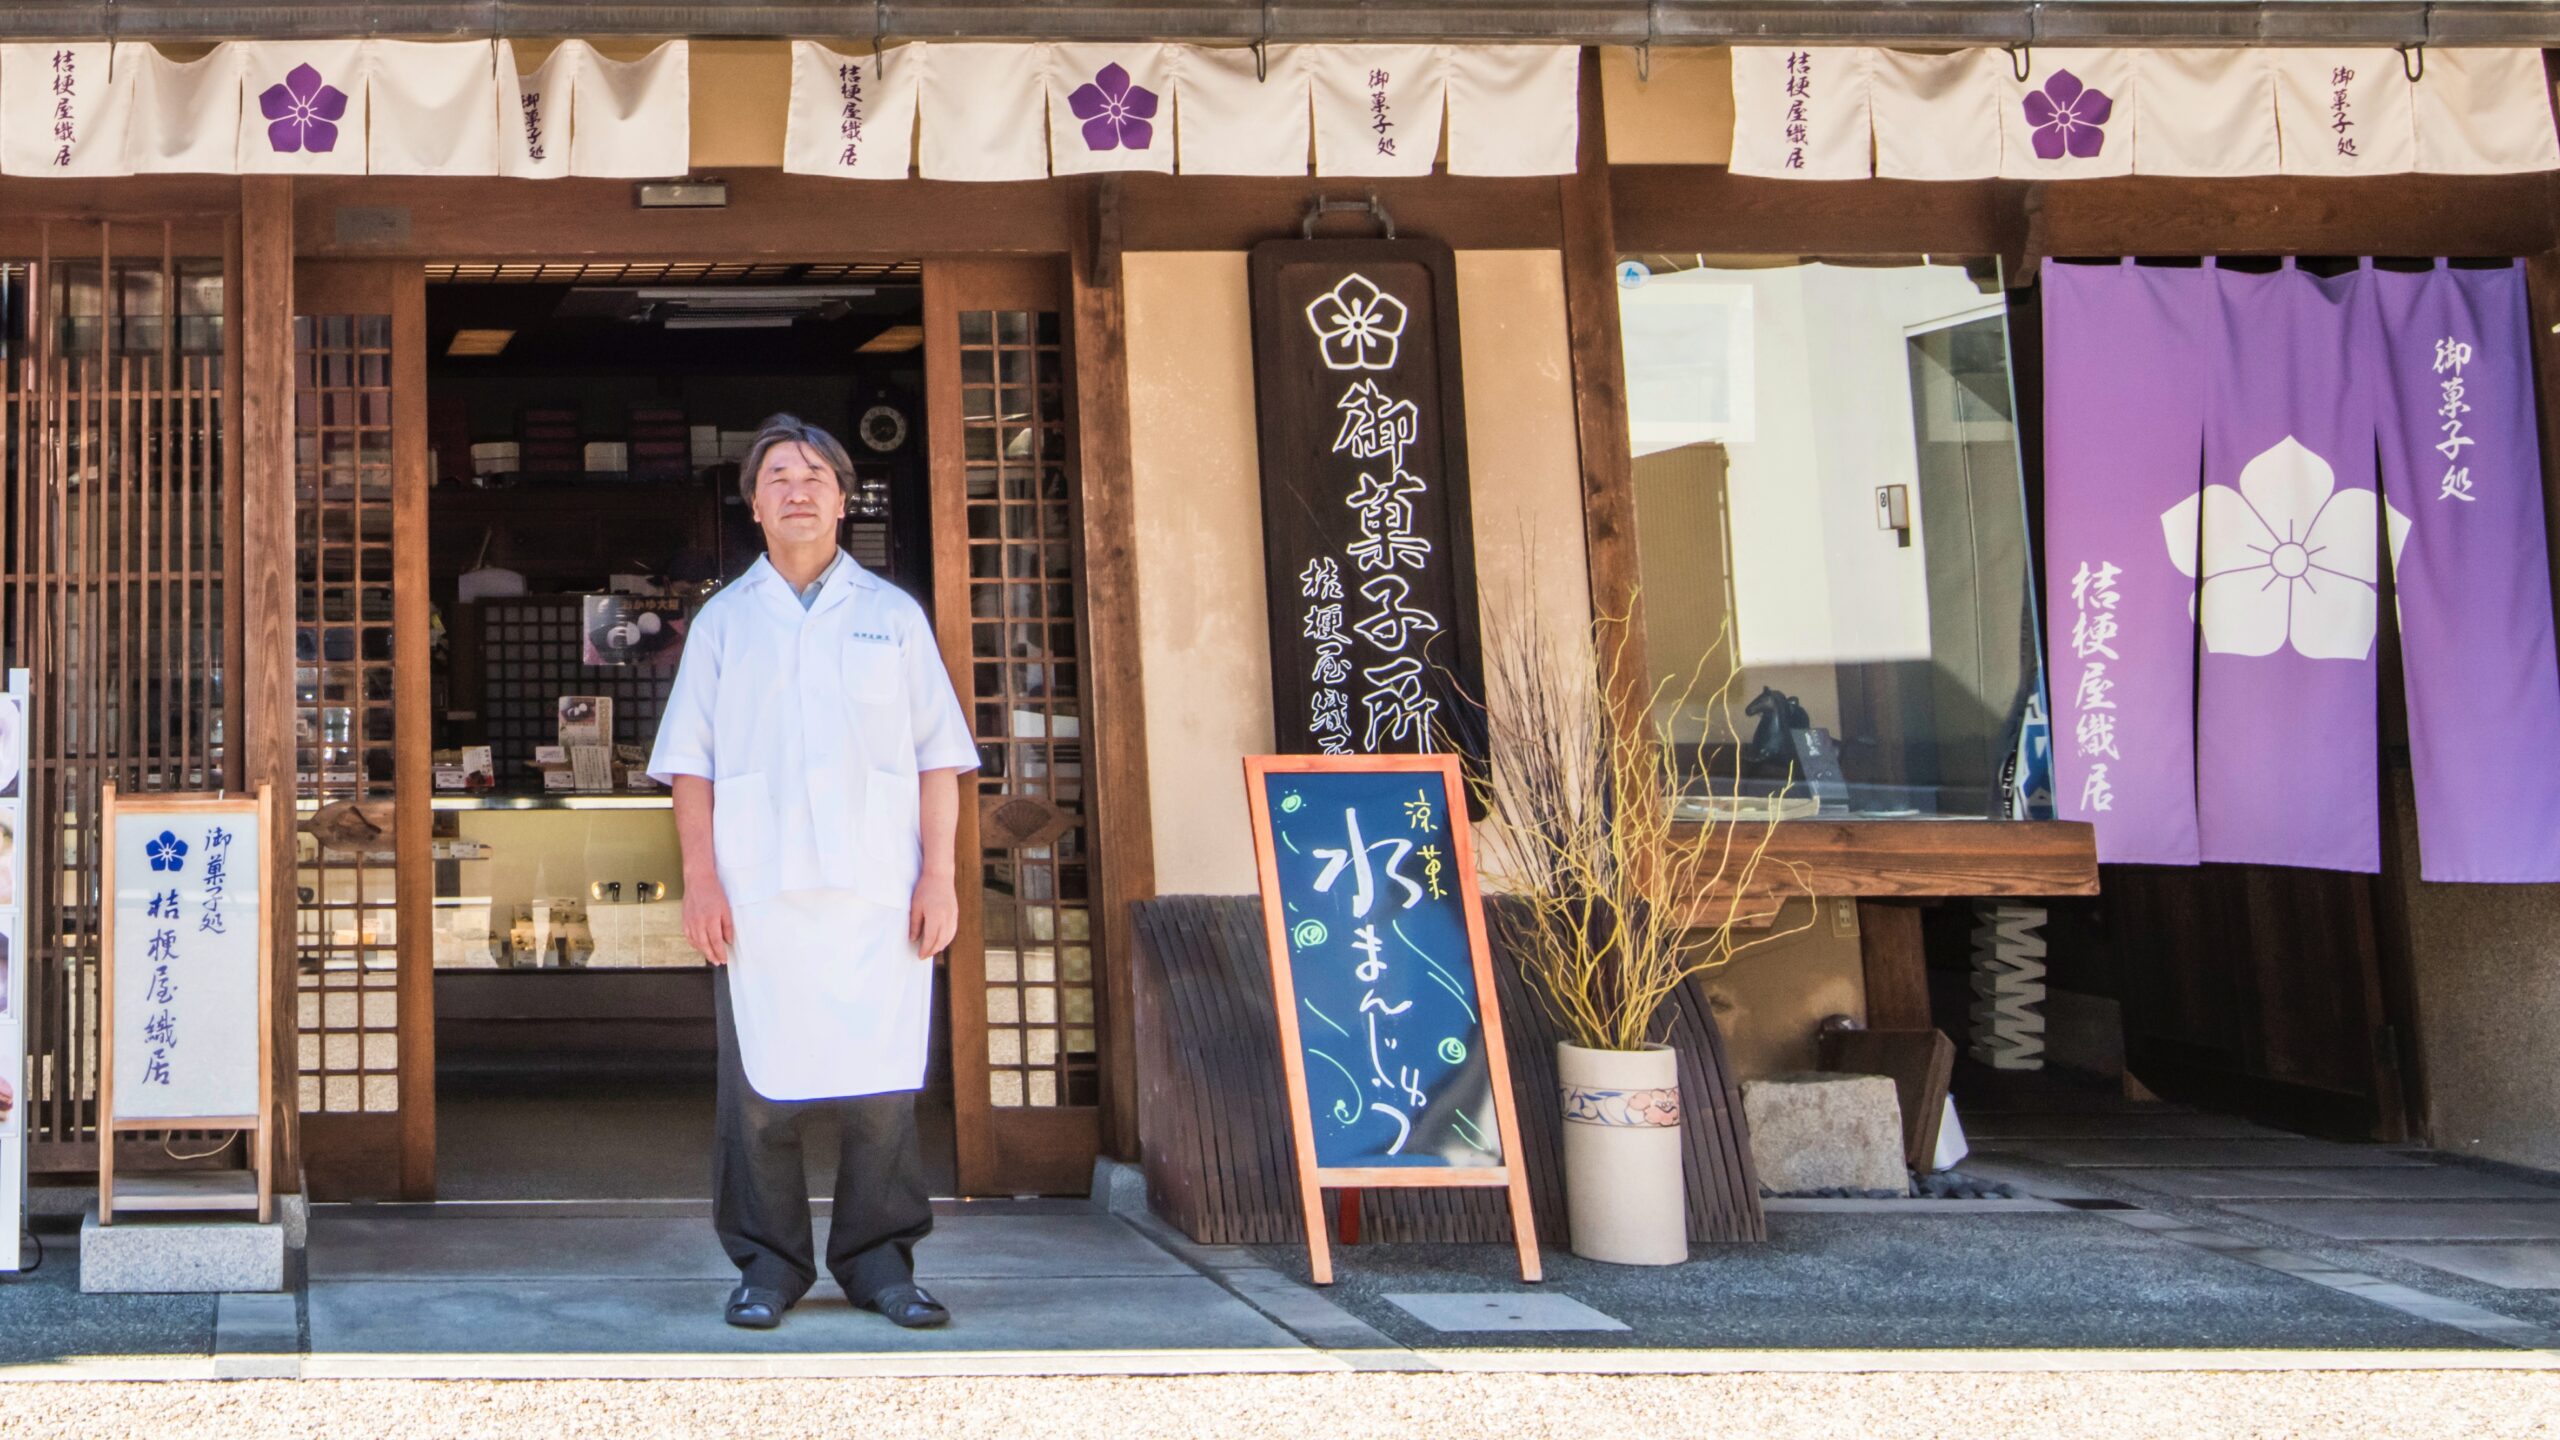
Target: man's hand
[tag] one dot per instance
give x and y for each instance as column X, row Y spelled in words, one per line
column 933, row 916
column 707, row 926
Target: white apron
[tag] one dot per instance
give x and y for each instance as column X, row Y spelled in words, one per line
column 829, row 997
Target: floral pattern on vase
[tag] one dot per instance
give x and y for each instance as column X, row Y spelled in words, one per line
column 1117, row 113
column 303, row 112
column 1631, row 1108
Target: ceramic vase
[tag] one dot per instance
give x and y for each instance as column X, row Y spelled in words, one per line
column 1625, row 1199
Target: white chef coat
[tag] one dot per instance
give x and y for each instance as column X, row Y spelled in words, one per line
column 812, row 726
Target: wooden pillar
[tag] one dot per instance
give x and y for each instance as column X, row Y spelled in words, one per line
column 261, row 326
column 1590, row 257
column 1896, row 966
column 1115, row 734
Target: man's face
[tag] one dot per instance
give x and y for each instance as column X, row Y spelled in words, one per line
column 797, row 497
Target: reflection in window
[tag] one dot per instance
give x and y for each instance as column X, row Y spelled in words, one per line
column 1827, row 478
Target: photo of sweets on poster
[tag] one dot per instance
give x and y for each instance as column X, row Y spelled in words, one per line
column 8, row 856
column 586, row 720
column 633, row 631
column 8, row 967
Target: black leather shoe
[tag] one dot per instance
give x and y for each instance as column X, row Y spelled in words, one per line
column 751, row 1308
column 909, row 1308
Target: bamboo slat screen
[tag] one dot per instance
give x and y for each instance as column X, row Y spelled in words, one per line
column 347, row 936
column 117, row 593
column 1024, row 645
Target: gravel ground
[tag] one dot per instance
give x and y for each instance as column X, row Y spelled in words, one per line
column 2433, row 1405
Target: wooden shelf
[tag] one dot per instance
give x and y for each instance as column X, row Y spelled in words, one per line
column 1916, row 858
column 199, row 1190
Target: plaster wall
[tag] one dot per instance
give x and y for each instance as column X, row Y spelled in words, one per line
column 1771, row 1000
column 1196, row 475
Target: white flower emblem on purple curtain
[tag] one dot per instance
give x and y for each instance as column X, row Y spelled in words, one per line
column 1357, row 325
column 2069, row 117
column 302, row 112
column 2288, row 558
column 1116, row 114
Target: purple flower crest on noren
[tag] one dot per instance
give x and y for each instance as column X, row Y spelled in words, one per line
column 2069, row 117
column 1116, row 114
column 303, row 112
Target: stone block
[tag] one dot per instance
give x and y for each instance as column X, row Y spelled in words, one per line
column 1119, row 1187
column 138, row 1256
column 1819, row 1131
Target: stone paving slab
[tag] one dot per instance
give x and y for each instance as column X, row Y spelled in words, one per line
column 2435, row 1182
column 357, row 1246
column 1871, row 1281
column 2206, row 1154
column 2509, row 1267
column 639, row 1317
column 2370, row 1220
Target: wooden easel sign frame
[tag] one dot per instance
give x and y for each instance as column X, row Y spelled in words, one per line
column 1368, row 878
column 186, row 991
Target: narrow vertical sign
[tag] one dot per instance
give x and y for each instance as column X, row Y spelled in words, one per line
column 13, row 967
column 187, row 979
column 1367, row 541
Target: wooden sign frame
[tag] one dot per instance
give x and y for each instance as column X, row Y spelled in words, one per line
column 252, row 1188
column 1313, row 1179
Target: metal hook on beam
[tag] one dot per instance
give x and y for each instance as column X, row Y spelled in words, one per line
column 1262, row 47
column 1644, row 52
column 880, row 39
column 2415, row 50
column 1322, row 206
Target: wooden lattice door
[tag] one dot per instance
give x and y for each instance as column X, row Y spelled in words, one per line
column 119, row 594
column 364, row 1062
column 1026, row 972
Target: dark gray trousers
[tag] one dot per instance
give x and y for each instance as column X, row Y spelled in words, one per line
column 760, row 1190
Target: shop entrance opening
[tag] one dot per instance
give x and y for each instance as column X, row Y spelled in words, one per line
column 514, row 484
column 585, row 440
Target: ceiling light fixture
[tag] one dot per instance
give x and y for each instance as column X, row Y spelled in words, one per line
column 892, row 341
column 479, row 342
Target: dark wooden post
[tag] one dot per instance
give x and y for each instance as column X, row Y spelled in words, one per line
column 1115, row 735
column 261, row 323
column 1590, row 258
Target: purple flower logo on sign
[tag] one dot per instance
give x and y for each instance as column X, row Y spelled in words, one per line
column 2069, row 118
column 1116, row 113
column 302, row 113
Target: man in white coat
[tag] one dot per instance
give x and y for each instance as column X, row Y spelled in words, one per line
column 815, row 749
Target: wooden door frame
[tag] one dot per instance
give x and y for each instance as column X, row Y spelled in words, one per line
column 363, row 287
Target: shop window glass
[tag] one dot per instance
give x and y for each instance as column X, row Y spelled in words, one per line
column 1829, row 510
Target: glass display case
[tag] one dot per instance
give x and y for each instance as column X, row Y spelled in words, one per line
column 559, row 882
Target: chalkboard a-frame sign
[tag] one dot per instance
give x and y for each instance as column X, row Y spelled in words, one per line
column 1390, row 1032
column 1368, row 542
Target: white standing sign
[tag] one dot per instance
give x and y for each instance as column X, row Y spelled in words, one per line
column 186, row 983
column 13, row 967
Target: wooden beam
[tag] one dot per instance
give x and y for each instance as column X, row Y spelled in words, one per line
column 1694, row 208
column 1116, row 731
column 1923, row 858
column 261, row 295
column 1897, row 969
column 1590, row 260
column 2470, row 215
column 1705, row 208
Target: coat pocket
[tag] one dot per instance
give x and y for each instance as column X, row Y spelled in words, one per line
column 871, row 672
column 892, row 848
column 742, row 837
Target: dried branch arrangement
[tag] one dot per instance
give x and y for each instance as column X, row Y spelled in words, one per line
column 1617, row 901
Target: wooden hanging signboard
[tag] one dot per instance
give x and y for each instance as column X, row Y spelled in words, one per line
column 186, row 995
column 13, row 968
column 1390, row 1030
